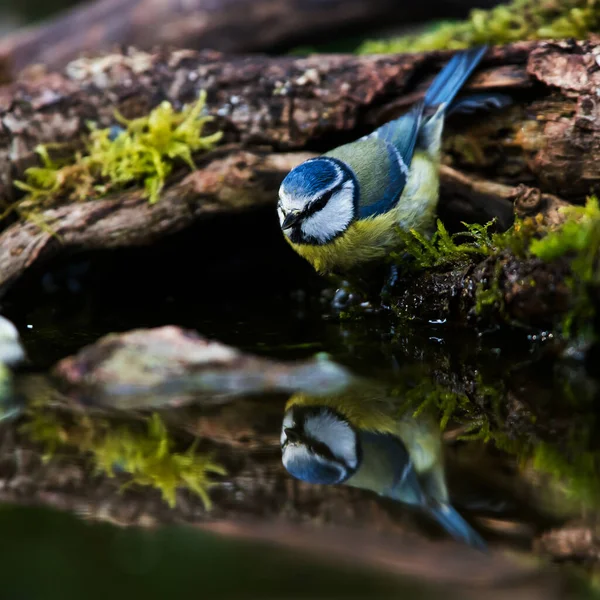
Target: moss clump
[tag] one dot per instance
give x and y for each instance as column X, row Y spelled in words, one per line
column 142, row 150
column 516, row 21
column 147, row 456
column 444, row 249
column 578, row 240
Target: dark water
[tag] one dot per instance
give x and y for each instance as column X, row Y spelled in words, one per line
column 521, row 450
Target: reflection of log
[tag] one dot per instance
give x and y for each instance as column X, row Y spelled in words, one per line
column 259, row 501
column 227, row 25
column 548, row 140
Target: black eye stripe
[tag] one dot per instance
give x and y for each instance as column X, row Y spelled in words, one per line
column 320, row 202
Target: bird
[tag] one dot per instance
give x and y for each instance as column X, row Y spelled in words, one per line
column 363, row 440
column 340, row 210
column 11, row 349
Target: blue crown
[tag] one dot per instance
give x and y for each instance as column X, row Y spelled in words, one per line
column 309, row 178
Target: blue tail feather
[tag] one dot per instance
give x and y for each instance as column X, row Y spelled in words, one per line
column 449, row 518
column 453, row 76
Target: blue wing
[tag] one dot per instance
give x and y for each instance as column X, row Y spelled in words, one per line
column 397, row 141
column 391, row 147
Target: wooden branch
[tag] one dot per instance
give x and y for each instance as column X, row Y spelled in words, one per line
column 234, row 182
column 225, row 25
column 479, row 200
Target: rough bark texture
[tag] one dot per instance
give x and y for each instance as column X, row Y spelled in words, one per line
column 295, row 103
column 548, row 140
column 225, row 25
column 234, row 182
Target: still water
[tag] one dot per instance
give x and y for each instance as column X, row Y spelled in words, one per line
column 497, row 428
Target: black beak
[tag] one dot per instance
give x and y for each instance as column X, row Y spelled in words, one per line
column 292, row 435
column 290, row 219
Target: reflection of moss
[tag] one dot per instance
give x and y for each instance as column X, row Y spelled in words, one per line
column 147, row 456
column 578, row 469
column 516, row 21
column 144, row 149
column 570, row 461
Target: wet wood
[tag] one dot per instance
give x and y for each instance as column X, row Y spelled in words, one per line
column 530, row 293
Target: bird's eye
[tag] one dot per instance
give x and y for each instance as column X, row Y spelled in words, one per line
column 321, row 201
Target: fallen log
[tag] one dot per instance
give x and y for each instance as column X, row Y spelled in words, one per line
column 548, row 140
column 225, row 25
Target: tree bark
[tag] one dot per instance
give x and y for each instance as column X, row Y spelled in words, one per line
column 225, row 25
column 226, row 184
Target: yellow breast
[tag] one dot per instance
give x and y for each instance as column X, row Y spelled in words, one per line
column 364, row 241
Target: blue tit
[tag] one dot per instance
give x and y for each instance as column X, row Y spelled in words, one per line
column 340, row 210
column 11, row 350
column 364, row 441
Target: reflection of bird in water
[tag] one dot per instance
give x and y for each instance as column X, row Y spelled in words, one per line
column 361, row 440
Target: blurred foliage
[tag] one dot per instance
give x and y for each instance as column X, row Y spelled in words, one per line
column 517, row 21
column 143, row 150
column 35, row 10
column 148, row 457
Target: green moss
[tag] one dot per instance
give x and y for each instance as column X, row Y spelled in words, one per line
column 577, row 467
column 143, row 150
column 148, row 457
column 444, row 249
column 577, row 240
column 516, row 21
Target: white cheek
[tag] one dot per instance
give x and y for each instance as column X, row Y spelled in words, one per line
column 336, row 434
column 334, row 218
column 288, row 421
